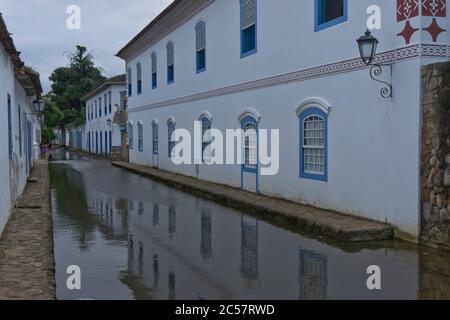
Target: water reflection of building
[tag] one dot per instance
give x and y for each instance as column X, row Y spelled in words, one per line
column 249, row 248
column 140, row 208
column 141, row 259
column 206, row 250
column 155, row 271
column 313, row 280
column 172, row 221
column 155, row 219
column 172, row 285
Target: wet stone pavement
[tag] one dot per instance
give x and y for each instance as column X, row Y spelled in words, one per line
column 134, row 238
column 27, row 267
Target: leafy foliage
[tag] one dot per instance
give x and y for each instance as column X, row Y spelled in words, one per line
column 69, row 84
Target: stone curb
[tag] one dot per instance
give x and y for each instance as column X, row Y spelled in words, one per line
column 320, row 222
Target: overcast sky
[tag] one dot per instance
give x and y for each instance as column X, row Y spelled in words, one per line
column 40, row 33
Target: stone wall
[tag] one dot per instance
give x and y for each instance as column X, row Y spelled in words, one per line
column 116, row 154
column 435, row 159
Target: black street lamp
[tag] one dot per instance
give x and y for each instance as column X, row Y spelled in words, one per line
column 39, row 108
column 109, row 122
column 367, row 45
column 38, row 105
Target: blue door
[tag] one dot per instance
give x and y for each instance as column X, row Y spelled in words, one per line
column 250, row 167
column 30, row 144
column 101, row 142
column 106, row 143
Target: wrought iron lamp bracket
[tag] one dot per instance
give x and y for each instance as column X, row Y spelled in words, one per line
column 376, row 72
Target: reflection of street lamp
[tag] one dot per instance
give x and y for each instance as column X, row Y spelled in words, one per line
column 367, row 48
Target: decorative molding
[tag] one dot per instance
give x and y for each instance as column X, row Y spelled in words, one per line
column 171, row 120
column 435, row 50
column 250, row 112
column 313, row 103
column 205, row 114
column 387, row 57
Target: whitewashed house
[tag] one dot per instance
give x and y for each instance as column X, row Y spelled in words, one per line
column 294, row 66
column 102, row 133
column 19, row 126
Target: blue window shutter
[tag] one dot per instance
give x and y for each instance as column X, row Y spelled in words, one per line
column 10, row 134
column 154, row 80
column 20, row 131
column 321, row 21
column 248, row 27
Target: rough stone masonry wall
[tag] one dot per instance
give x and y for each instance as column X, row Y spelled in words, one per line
column 435, row 160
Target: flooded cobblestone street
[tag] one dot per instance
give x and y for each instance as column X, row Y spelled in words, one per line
column 137, row 239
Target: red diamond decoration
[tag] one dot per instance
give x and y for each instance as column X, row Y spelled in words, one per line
column 408, row 32
column 434, row 30
column 407, row 9
column 434, row 8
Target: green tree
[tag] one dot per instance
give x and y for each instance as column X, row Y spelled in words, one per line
column 71, row 82
column 52, row 119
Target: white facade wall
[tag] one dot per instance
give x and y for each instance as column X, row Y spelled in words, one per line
column 6, row 86
column 99, row 124
column 373, row 143
column 25, row 130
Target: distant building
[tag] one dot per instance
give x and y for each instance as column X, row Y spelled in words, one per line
column 293, row 66
column 102, row 133
column 20, row 130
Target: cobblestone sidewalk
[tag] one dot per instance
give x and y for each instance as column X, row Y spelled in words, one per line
column 27, row 266
column 324, row 223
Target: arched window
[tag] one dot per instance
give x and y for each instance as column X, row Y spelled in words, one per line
column 171, row 130
column 110, row 101
column 313, row 144
column 130, row 82
column 139, row 78
column 140, row 136
column 130, row 136
column 170, row 63
column 155, row 137
column 250, row 144
column 154, row 71
column 248, row 27
column 105, row 97
column 206, row 138
column 200, row 43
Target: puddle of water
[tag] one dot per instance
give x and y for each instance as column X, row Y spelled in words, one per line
column 137, row 239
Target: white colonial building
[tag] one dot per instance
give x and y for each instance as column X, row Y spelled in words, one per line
column 294, row 66
column 20, row 131
column 102, row 134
